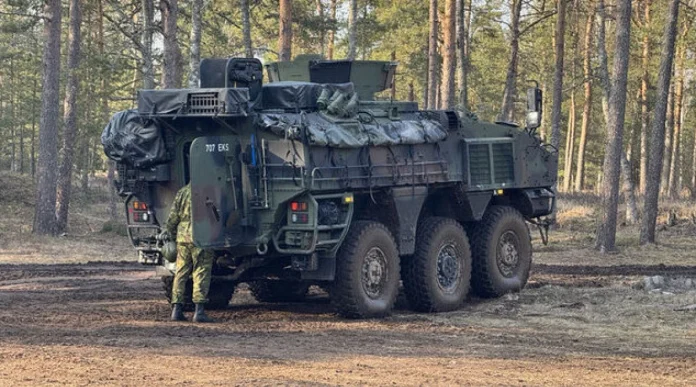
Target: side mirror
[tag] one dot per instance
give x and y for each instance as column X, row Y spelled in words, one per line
column 534, row 108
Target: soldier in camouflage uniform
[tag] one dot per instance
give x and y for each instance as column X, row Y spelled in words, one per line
column 190, row 260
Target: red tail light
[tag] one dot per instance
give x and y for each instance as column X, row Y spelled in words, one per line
column 298, row 206
column 140, row 206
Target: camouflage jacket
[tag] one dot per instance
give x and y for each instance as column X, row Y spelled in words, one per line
column 179, row 221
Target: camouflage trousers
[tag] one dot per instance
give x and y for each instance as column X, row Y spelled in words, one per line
column 192, row 261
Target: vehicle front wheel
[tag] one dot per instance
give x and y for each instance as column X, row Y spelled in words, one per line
column 436, row 278
column 502, row 252
column 367, row 272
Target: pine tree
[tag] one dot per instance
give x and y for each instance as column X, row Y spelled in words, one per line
column 657, row 131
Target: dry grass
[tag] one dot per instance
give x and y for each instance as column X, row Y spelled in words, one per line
column 572, row 241
column 84, row 241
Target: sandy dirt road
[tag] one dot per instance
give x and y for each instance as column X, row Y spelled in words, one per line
column 106, row 324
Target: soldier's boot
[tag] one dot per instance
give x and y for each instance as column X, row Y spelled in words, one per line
column 199, row 316
column 178, row 312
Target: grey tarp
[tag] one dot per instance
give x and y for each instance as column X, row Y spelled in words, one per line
column 230, row 101
column 133, row 139
column 298, row 95
column 323, row 132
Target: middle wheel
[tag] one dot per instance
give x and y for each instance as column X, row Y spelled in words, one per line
column 436, row 278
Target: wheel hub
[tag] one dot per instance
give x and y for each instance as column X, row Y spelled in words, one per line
column 508, row 254
column 448, row 268
column 374, row 272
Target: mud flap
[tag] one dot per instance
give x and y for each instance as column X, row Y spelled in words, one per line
column 217, row 205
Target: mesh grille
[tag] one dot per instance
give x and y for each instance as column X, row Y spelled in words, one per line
column 503, row 163
column 479, row 164
column 203, row 103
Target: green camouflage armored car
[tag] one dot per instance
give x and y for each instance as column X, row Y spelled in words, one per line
column 308, row 180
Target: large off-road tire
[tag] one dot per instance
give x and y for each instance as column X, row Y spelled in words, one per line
column 502, row 252
column 436, row 278
column 367, row 272
column 219, row 295
column 278, row 291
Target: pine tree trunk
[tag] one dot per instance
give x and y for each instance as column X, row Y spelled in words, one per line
column 463, row 23
column 629, row 191
column 606, row 231
column 322, row 31
column 33, row 128
column 449, row 59
column 644, row 115
column 352, row 29
column 510, row 92
column 246, row 29
column 657, row 132
column 669, row 131
column 587, row 105
column 148, row 68
column 432, row 58
column 45, row 212
column 570, row 144
column 70, row 119
column 195, row 41
column 558, row 76
column 285, row 33
column 332, row 31
column 171, row 57
column 680, row 74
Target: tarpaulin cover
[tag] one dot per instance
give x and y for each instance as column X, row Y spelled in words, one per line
column 133, row 139
column 323, row 132
column 224, row 101
column 298, row 95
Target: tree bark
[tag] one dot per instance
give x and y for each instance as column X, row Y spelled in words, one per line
column 570, row 145
column 463, row 43
column 148, row 68
column 667, row 155
column 45, row 212
column 33, row 128
column 510, row 92
column 70, row 120
column 246, row 29
column 680, row 74
column 587, row 105
column 285, row 33
column 352, row 29
column 432, row 57
column 558, row 76
column 629, row 191
column 171, row 74
column 322, row 31
column 195, row 41
column 657, row 132
column 449, row 62
column 606, row 230
column 644, row 115
column 332, row 31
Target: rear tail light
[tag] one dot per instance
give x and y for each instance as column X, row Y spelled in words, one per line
column 298, row 206
column 140, row 206
column 141, row 217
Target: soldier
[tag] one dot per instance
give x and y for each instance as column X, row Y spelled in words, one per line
column 189, row 260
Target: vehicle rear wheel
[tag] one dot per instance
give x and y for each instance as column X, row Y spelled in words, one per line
column 436, row 278
column 367, row 272
column 278, row 291
column 502, row 252
column 219, row 295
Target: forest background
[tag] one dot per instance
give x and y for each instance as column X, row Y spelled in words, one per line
column 616, row 75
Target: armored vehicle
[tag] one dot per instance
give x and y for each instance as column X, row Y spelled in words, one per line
column 310, row 180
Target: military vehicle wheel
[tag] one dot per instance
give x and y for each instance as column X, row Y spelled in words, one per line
column 219, row 295
column 367, row 272
column 278, row 291
column 436, row 278
column 502, row 252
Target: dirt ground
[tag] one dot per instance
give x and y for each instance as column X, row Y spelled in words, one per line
column 77, row 310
